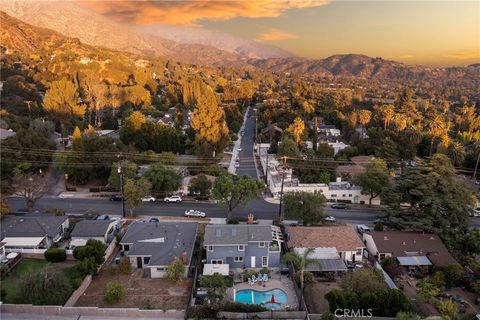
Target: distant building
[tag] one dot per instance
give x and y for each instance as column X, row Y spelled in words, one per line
column 358, row 166
column 4, row 133
column 342, row 191
column 337, row 146
column 329, row 130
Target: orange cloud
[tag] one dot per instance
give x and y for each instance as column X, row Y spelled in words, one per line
column 464, row 55
column 189, row 13
column 275, row 35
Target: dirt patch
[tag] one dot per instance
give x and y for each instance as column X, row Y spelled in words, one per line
column 143, row 293
column 315, row 295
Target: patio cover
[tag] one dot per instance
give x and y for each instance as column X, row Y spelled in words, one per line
column 210, row 269
column 78, row 242
column 414, row 261
column 22, row 242
column 327, row 265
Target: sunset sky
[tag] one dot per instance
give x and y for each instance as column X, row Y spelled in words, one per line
column 414, row 32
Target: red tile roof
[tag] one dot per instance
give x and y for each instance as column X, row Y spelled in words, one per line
column 343, row 238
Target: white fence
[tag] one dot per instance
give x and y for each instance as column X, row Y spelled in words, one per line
column 39, row 251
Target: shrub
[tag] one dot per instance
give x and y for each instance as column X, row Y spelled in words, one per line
column 265, row 270
column 55, row 255
column 147, row 304
column 202, row 312
column 76, row 283
column 175, row 270
column 378, row 226
column 233, row 220
column 115, row 292
column 125, row 267
column 93, row 248
column 453, row 273
column 87, row 266
column 241, row 307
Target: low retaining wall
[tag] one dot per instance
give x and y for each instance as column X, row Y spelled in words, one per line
column 91, row 311
column 263, row 315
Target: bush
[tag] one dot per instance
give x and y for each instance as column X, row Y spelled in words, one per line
column 55, row 255
column 265, row 270
column 241, row 307
column 147, row 304
column 76, row 283
column 233, row 220
column 176, row 270
column 87, row 266
column 453, row 273
column 378, row 226
column 202, row 312
column 93, row 248
column 115, row 292
column 125, row 267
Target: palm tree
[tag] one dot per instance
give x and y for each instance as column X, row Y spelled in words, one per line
column 364, row 117
column 435, row 127
column 456, row 153
column 400, row 121
column 388, row 112
column 300, row 262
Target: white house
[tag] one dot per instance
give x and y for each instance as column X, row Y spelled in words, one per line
column 342, row 191
column 329, row 130
column 101, row 230
column 337, row 146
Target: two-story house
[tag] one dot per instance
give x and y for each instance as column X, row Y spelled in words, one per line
column 243, row 246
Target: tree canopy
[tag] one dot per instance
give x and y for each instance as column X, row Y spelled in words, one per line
column 304, row 206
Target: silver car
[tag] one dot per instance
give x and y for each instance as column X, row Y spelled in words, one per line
column 195, row 213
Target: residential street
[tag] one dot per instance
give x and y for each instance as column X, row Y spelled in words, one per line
column 247, row 164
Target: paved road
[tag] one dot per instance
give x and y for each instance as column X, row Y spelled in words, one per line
column 247, row 164
column 260, row 208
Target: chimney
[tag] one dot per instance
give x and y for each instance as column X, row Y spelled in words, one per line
column 250, row 218
column 183, row 257
column 339, row 179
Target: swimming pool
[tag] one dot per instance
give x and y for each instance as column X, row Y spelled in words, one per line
column 262, row 297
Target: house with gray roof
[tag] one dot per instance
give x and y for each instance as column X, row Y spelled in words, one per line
column 242, row 246
column 152, row 246
column 101, row 230
column 32, row 231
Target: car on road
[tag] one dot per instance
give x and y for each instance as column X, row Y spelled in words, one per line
column 154, row 220
column 103, row 217
column 242, row 132
column 339, row 206
column 361, row 228
column 330, row 219
column 239, row 149
column 116, row 197
column 458, row 298
column 476, row 212
column 195, row 213
column 176, row 199
column 237, row 164
column 148, row 199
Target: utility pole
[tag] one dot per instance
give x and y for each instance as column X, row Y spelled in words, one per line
column 284, row 168
column 120, row 173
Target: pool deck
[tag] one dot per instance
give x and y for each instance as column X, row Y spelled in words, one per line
column 283, row 283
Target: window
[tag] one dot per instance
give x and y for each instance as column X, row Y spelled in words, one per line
column 146, row 260
column 216, row 261
column 126, row 247
column 241, row 248
column 349, row 195
column 161, row 269
column 359, row 252
column 210, row 248
column 261, row 244
column 344, row 195
column 264, row 261
column 238, row 259
column 334, row 195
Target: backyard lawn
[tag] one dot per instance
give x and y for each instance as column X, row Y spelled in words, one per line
column 11, row 283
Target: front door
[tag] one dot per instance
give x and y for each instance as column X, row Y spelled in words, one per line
column 252, row 262
column 139, row 262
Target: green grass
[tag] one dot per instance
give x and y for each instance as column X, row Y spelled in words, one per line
column 11, row 283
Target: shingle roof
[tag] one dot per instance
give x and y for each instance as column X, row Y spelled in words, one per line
column 33, row 226
column 343, row 238
column 236, row 234
column 161, row 241
column 401, row 244
column 91, row 228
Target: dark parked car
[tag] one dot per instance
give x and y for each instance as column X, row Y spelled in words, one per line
column 116, row 197
column 153, row 220
column 339, row 206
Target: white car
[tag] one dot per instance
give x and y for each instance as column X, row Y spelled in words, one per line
column 176, row 199
column 237, row 165
column 195, row 213
column 239, row 149
column 148, row 199
column 330, row 219
column 476, row 212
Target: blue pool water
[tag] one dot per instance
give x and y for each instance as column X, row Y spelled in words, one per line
column 259, row 297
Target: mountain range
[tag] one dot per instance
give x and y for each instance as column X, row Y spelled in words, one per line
column 204, row 47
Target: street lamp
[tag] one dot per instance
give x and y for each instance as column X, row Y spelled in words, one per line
column 120, row 173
